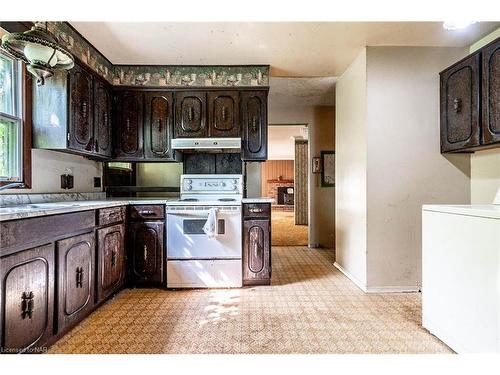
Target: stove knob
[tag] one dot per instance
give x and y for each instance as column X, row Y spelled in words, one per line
column 235, row 187
column 223, row 184
column 188, row 181
column 189, row 187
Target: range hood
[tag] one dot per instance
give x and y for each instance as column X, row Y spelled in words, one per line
column 206, row 143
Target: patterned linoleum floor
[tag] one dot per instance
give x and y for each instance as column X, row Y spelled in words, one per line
column 309, row 308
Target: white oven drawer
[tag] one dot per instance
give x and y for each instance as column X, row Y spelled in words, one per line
column 222, row 273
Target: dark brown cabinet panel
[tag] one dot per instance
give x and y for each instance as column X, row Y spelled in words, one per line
column 190, row 115
column 256, row 252
column 81, row 121
column 102, row 119
column 146, row 257
column 129, row 125
column 158, row 125
column 223, row 114
column 110, row 260
column 254, row 125
column 491, row 94
column 460, row 102
column 27, row 299
column 76, row 281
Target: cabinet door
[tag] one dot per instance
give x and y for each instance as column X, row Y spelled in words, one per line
column 190, row 115
column 75, row 275
column 129, row 125
column 223, row 114
column 27, row 299
column 111, row 260
column 491, row 93
column 460, row 105
column 81, row 119
column 146, row 252
column 102, row 119
column 254, row 125
column 158, row 126
column 256, row 252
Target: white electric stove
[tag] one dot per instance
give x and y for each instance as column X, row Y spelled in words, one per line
column 193, row 259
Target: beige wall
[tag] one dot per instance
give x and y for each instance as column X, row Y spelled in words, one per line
column 405, row 168
column 389, row 163
column 321, row 199
column 485, row 165
column 47, row 167
column 350, row 170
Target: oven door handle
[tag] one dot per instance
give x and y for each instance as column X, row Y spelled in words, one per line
column 200, row 214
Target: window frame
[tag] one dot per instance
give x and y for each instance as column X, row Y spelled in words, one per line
column 24, row 116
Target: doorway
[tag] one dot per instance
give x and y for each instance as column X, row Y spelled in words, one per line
column 284, row 179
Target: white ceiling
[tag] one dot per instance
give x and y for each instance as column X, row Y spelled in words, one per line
column 291, row 48
column 281, row 140
column 301, row 91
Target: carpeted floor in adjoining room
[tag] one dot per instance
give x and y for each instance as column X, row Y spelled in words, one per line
column 285, row 232
column 310, row 308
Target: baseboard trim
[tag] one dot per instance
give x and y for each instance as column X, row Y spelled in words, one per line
column 358, row 283
column 376, row 289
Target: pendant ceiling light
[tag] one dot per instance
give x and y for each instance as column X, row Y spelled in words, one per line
column 39, row 50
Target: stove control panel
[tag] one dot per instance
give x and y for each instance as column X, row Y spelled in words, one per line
column 212, row 184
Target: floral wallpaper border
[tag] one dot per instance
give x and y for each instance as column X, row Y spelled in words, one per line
column 158, row 75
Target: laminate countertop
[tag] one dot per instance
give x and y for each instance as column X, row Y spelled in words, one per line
column 23, row 211
column 482, row 210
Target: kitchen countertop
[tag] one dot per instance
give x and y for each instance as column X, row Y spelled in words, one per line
column 481, row 210
column 23, row 211
column 257, row 200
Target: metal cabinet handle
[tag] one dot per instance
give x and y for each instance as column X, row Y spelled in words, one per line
column 457, row 105
column 79, row 277
column 224, row 113
column 113, row 258
column 256, row 210
column 84, row 109
column 146, row 213
column 145, row 253
column 27, row 304
column 190, row 113
column 254, row 123
column 159, row 125
column 127, row 126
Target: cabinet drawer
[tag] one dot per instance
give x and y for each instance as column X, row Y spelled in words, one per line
column 111, row 215
column 256, row 210
column 146, row 212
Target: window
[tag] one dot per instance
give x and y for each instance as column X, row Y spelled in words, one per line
column 11, row 120
column 15, row 118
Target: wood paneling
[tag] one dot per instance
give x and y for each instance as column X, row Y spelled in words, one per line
column 301, row 189
column 272, row 169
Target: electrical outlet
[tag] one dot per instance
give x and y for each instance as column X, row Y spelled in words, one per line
column 97, row 182
column 67, row 181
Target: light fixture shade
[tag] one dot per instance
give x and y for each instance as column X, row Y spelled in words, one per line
column 39, row 49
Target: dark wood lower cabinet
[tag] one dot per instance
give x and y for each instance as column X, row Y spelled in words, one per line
column 256, row 244
column 76, row 281
column 27, row 299
column 145, row 253
column 111, row 260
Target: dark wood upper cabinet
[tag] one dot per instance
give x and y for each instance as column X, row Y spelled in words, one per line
column 190, row 115
column 158, row 125
column 491, row 94
column 146, row 257
column 102, row 119
column 81, row 113
column 27, row 298
column 223, row 114
column 129, row 125
column 76, row 281
column 460, row 88
column 110, row 260
column 254, row 125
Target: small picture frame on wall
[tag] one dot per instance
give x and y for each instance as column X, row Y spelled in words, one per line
column 316, row 165
column 327, row 168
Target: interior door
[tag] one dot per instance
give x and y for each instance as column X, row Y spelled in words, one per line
column 102, row 118
column 27, row 298
column 190, row 115
column 76, row 260
column 146, row 241
column 111, row 254
column 223, row 114
column 81, row 126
